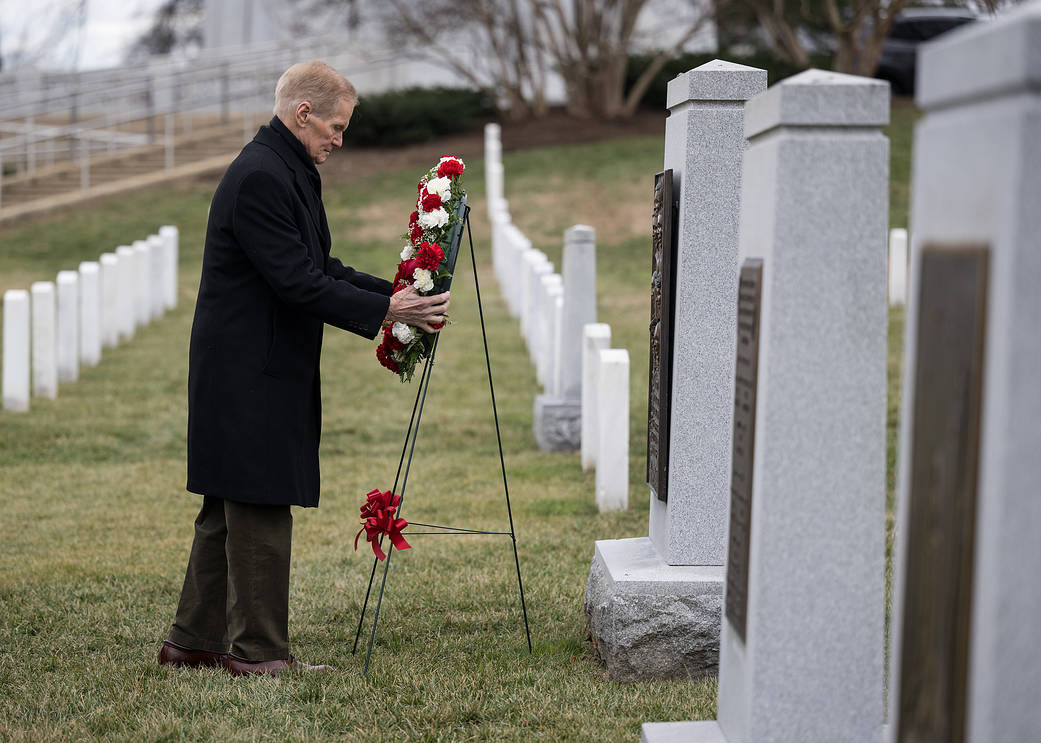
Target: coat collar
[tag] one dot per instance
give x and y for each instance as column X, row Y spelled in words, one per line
column 277, row 136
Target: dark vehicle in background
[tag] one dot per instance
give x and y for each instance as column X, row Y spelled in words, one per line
column 910, row 28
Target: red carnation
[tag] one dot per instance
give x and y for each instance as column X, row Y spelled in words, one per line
column 422, row 184
column 416, row 232
column 390, row 341
column 452, row 167
column 384, row 358
column 430, row 256
column 413, row 219
column 405, row 270
column 430, row 202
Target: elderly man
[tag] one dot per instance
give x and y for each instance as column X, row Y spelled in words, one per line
column 268, row 287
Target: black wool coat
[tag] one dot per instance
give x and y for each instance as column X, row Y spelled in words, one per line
column 268, row 287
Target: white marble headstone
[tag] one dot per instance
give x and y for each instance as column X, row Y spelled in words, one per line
column 579, row 308
column 45, row 339
column 897, row 266
column 595, row 338
column 171, row 252
column 612, row 461
column 110, row 299
column 126, row 296
column 158, row 275
column 142, row 262
column 16, row 350
column 68, row 326
column 90, row 313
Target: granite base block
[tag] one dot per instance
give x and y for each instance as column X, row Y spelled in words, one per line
column 558, row 423
column 702, row 731
column 682, row 732
column 649, row 620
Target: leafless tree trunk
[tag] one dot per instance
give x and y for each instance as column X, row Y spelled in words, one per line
column 859, row 30
column 591, row 43
column 639, row 88
column 517, row 73
column 778, row 24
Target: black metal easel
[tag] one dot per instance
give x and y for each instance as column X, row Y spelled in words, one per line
column 409, row 448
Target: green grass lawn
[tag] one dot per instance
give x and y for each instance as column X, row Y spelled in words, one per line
column 96, row 524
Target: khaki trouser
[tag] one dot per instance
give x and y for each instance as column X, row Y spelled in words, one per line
column 236, row 589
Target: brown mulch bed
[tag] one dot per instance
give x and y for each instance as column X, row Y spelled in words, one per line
column 555, row 129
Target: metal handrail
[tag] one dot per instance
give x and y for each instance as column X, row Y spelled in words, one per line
column 218, row 82
column 179, row 104
column 237, row 60
column 168, row 85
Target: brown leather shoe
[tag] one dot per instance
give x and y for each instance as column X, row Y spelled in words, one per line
column 239, row 667
column 171, row 654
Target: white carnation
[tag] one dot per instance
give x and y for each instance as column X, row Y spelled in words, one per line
column 435, row 219
column 407, row 252
column 424, row 281
column 441, row 186
column 404, row 333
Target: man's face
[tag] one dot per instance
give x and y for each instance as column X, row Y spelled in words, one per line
column 320, row 134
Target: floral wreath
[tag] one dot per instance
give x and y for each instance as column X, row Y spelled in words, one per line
column 423, row 261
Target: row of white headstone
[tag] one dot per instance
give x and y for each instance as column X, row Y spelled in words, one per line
column 55, row 327
column 585, row 403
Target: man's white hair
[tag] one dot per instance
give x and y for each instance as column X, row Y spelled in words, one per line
column 314, row 82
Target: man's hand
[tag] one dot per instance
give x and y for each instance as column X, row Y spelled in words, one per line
column 411, row 307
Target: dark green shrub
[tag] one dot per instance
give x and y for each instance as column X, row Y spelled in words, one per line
column 776, row 69
column 416, row 115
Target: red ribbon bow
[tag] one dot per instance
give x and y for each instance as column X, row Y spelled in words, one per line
column 377, row 513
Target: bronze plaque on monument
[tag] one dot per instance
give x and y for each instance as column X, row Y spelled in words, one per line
column 941, row 515
column 659, row 395
column 746, row 374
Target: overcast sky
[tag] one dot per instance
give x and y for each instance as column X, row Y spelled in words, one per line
column 47, row 30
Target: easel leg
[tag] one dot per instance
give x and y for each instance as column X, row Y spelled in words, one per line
column 498, row 435
column 424, row 386
column 397, row 476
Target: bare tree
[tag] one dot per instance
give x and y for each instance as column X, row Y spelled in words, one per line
column 590, row 44
column 587, row 42
column 780, row 23
column 462, row 34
